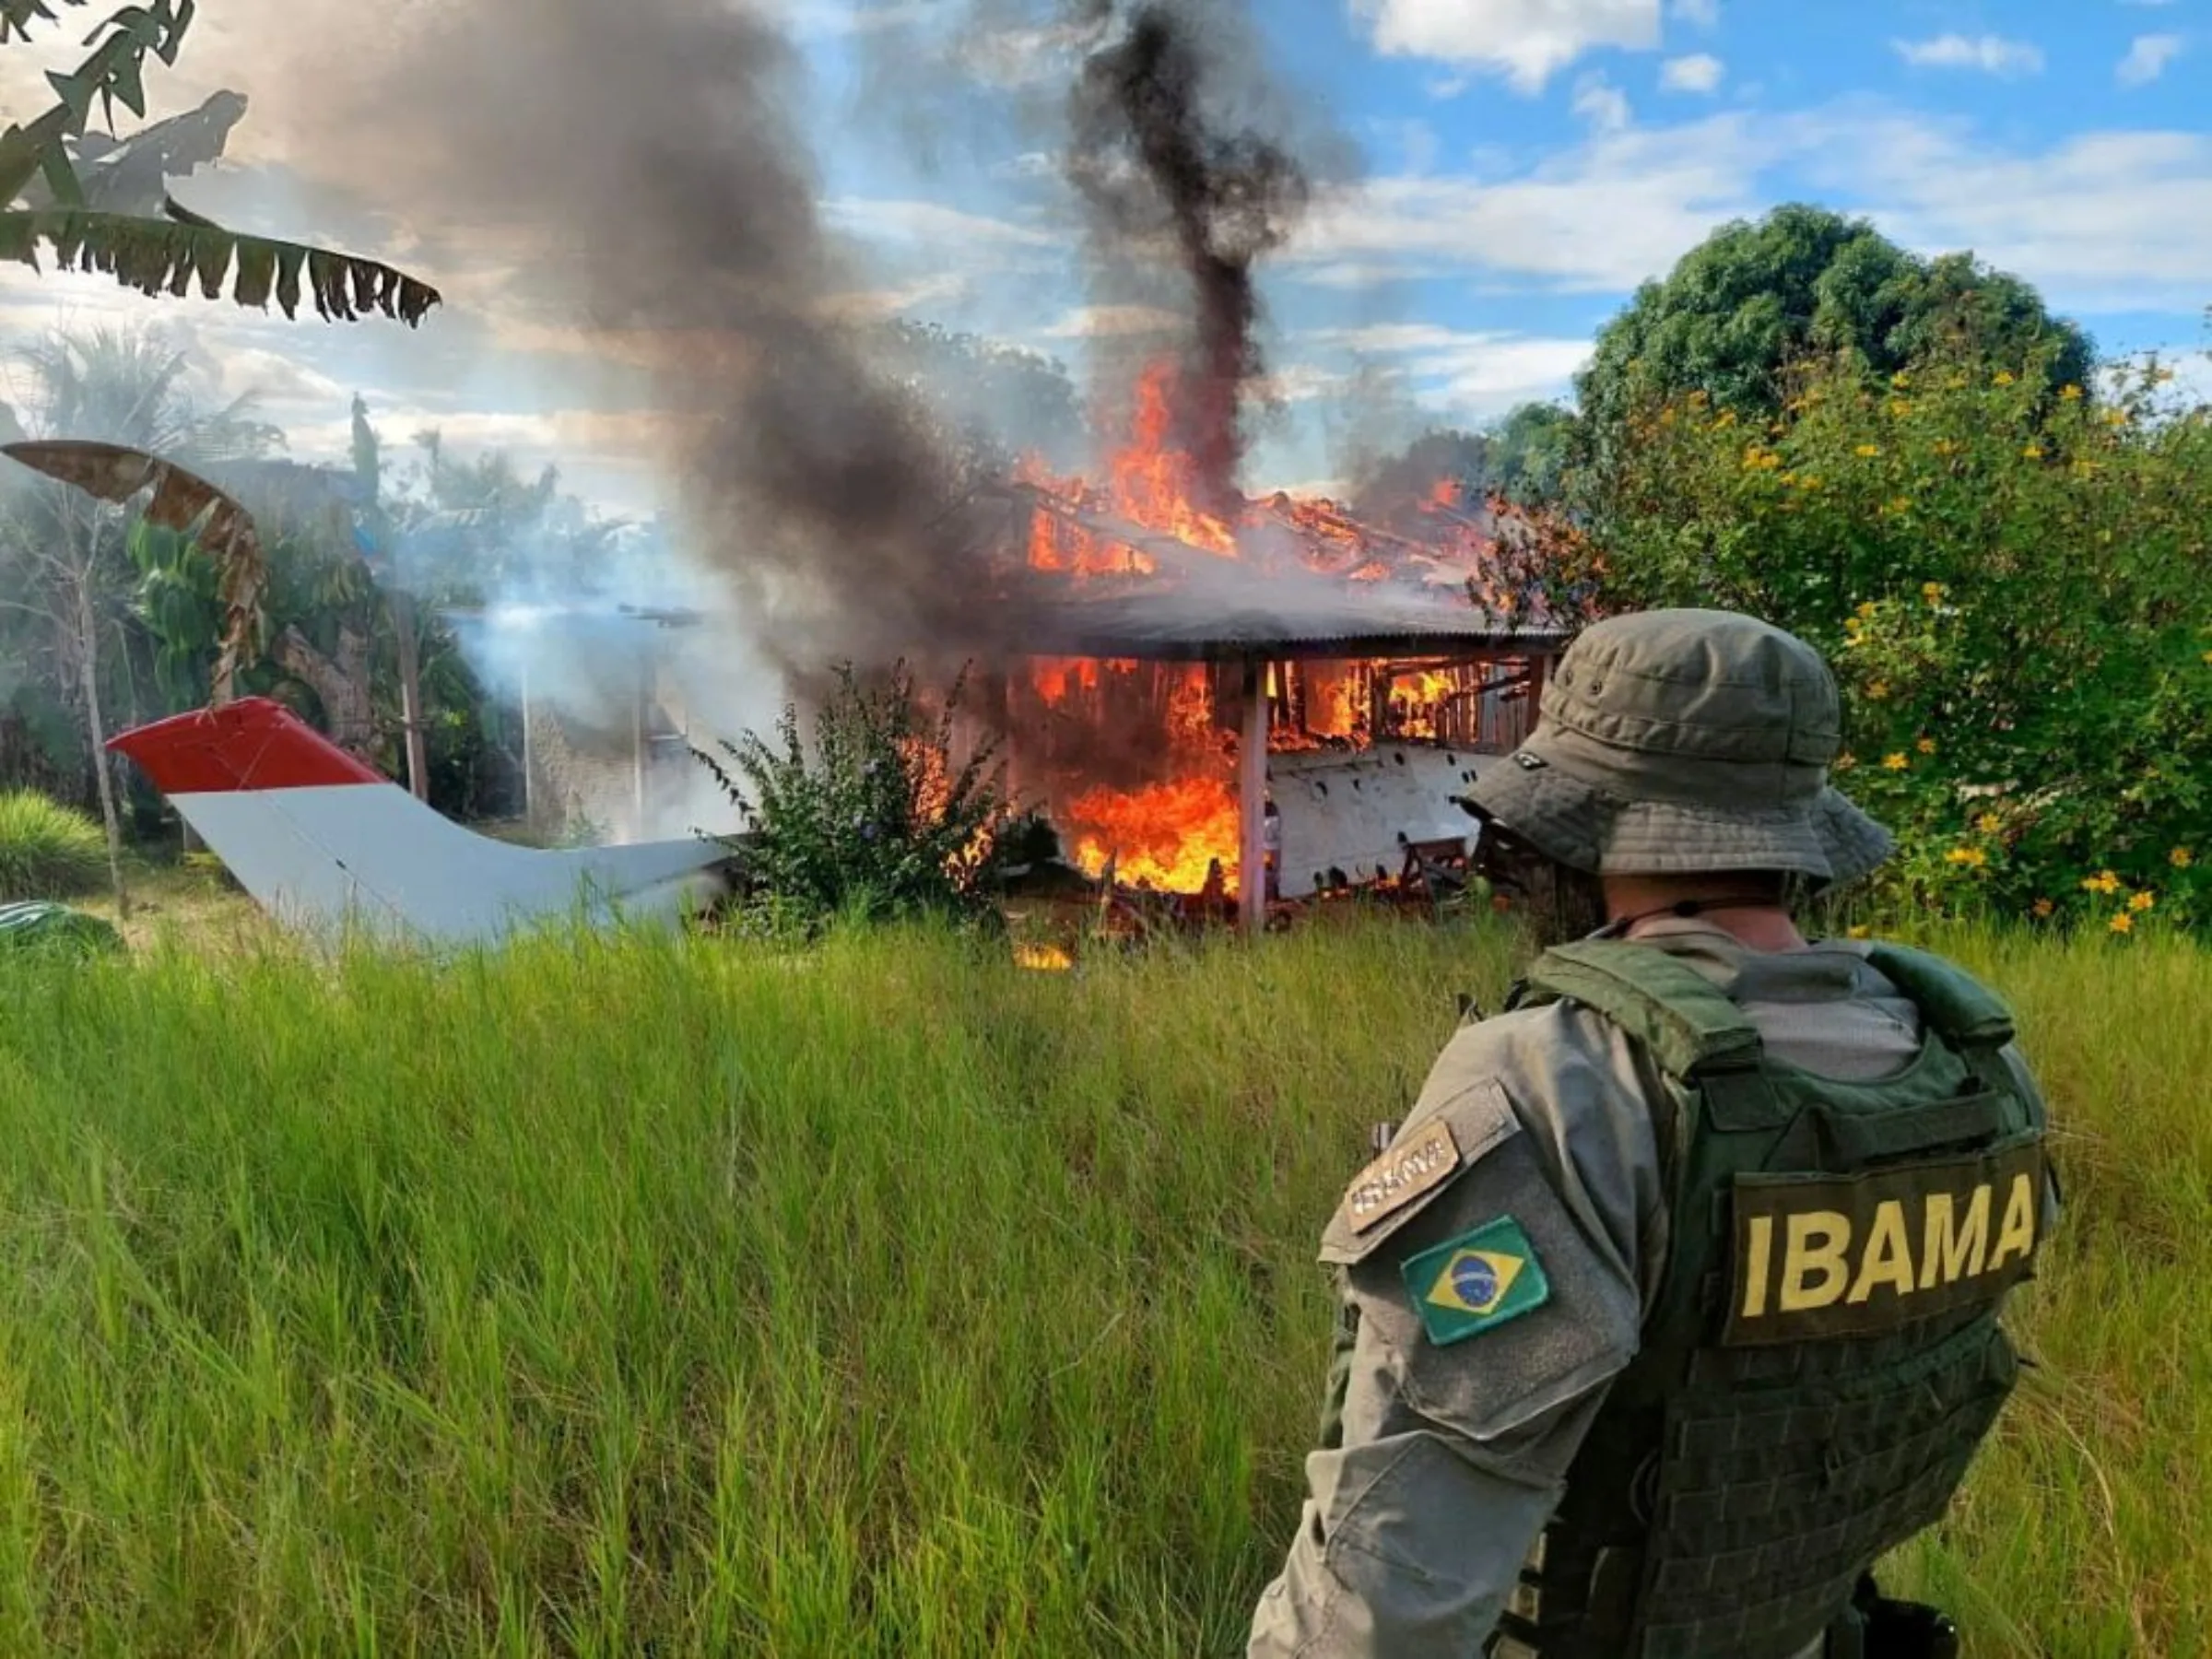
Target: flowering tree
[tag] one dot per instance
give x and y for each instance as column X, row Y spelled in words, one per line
column 2015, row 583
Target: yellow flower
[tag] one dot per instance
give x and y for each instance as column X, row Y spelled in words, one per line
column 1857, row 933
column 2123, row 923
column 1878, row 691
column 1973, row 857
column 2115, row 417
column 1946, row 446
column 1931, row 590
column 2034, row 452
column 2141, row 902
column 1901, row 380
column 1926, row 745
column 1867, row 609
column 2043, row 907
column 2070, row 394
column 1987, row 823
column 1845, row 761
column 2181, row 858
column 2004, row 377
column 1727, row 420
column 1899, row 407
column 1894, row 763
column 1869, row 449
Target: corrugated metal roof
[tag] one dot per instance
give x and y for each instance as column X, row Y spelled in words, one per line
column 1238, row 615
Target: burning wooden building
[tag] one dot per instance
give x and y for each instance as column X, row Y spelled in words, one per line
column 1197, row 695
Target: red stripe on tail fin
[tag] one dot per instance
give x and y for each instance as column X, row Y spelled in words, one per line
column 253, row 743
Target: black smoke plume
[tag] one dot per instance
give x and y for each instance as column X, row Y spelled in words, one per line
column 645, row 165
column 1153, row 154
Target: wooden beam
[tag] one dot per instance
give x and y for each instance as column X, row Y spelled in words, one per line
column 1252, row 801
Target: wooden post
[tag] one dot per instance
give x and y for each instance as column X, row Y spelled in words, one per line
column 410, row 694
column 529, row 783
column 1251, row 803
column 637, row 736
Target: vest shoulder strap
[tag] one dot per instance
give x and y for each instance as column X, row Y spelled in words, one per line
column 1960, row 1008
column 1678, row 1013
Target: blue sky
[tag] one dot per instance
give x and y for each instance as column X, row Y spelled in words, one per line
column 1512, row 168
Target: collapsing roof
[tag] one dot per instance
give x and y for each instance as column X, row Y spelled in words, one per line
column 1296, row 589
column 1281, row 619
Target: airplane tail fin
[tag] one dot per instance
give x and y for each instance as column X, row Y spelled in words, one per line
column 325, row 842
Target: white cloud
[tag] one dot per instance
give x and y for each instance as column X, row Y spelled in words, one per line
column 2104, row 221
column 1473, row 374
column 1703, row 14
column 1096, row 322
column 1600, row 218
column 1526, row 41
column 1601, row 103
column 2147, row 59
column 1297, row 382
column 931, row 222
column 1700, row 72
column 1992, row 53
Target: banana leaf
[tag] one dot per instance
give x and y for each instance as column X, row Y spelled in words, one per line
column 182, row 501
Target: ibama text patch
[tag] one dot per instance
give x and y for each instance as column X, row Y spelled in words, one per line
column 1858, row 1254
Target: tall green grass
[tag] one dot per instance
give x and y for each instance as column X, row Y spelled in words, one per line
column 631, row 1297
column 47, row 850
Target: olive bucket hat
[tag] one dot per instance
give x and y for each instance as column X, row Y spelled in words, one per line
column 1681, row 742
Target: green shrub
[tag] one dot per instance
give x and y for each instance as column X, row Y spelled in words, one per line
column 48, row 851
column 2013, row 582
column 883, row 822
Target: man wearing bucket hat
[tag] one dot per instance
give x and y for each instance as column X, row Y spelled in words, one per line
column 1675, row 1302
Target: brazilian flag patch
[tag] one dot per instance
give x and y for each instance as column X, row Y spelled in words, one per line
column 1468, row 1285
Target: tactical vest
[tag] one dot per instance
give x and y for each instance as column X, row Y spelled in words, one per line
column 1824, row 1357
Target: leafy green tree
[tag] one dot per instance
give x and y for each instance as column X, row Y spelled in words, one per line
column 993, row 401
column 45, row 201
column 1392, row 489
column 1756, row 297
column 1529, row 454
column 2015, row 583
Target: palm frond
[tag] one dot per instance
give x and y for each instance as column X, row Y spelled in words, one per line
column 16, row 16
column 157, row 257
column 185, row 502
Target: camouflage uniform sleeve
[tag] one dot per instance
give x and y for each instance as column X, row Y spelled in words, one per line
column 1458, row 1425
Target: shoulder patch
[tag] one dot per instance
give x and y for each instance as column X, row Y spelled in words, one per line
column 1401, row 1175
column 1476, row 1282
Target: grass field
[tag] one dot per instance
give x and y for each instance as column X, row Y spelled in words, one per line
column 629, row 1298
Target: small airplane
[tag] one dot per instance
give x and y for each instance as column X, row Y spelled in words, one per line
column 332, row 847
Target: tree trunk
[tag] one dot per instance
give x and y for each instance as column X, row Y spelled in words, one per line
column 88, row 661
column 410, row 694
column 343, row 687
